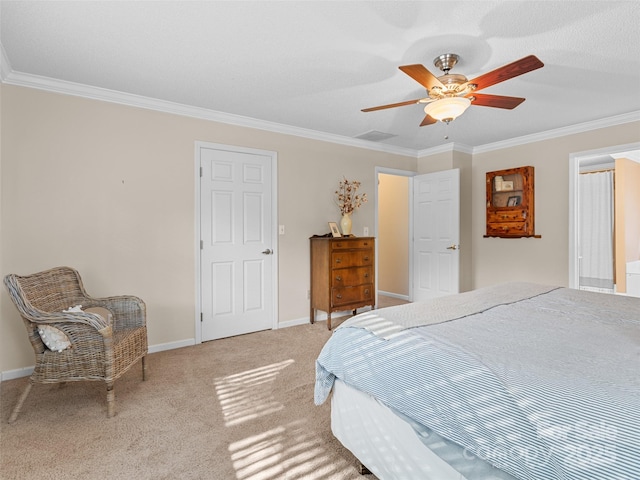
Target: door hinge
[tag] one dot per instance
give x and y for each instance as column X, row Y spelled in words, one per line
column 201, row 244
column 201, row 317
column 201, row 171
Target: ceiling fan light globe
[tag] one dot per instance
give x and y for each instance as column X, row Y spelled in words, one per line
column 447, row 109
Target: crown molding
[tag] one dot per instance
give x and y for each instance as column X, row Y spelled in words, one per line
column 560, row 132
column 10, row 77
column 447, row 147
column 535, row 137
column 132, row 100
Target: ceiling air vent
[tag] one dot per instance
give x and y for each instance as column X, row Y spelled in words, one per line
column 375, row 136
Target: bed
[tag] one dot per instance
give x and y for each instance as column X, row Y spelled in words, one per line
column 517, row 381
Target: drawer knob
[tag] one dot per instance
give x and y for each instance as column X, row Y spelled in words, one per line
column 366, row 259
column 339, row 295
column 366, row 291
column 339, row 278
column 366, row 275
column 338, row 260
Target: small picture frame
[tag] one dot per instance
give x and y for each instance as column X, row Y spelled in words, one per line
column 334, row 229
column 507, row 186
column 514, row 201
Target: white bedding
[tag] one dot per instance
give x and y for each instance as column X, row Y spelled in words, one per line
column 544, row 387
column 390, row 447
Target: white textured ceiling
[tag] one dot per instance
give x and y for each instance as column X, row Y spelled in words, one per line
column 314, row 64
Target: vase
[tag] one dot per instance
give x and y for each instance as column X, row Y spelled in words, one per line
column 345, row 224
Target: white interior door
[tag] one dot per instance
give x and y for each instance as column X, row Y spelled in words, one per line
column 436, row 234
column 237, row 261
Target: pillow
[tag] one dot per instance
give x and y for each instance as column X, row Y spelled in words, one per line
column 54, row 338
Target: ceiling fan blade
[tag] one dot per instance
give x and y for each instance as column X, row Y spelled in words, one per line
column 421, row 75
column 497, row 101
column 519, row 67
column 428, row 120
column 392, row 105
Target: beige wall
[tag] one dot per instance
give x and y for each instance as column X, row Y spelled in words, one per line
column 435, row 163
column 627, row 218
column 109, row 189
column 544, row 260
column 393, row 234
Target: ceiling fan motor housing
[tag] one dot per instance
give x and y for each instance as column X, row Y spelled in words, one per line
column 454, row 84
column 446, row 61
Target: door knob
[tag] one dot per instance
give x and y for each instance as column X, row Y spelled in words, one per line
column 268, row 251
column 453, row 247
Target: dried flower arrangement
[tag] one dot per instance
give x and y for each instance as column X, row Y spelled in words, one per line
column 347, row 199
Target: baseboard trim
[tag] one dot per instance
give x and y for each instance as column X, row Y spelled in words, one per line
column 26, row 371
column 161, row 347
column 188, row 342
column 394, row 295
column 17, row 373
column 293, row 323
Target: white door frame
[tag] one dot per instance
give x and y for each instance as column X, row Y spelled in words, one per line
column 574, row 172
column 198, row 236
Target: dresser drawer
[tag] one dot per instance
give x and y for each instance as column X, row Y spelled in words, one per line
column 507, row 228
column 347, row 244
column 347, row 295
column 351, row 258
column 348, row 277
column 516, row 215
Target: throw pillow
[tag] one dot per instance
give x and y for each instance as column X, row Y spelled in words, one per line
column 54, row 338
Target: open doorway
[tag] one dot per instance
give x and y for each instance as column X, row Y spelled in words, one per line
column 393, row 231
column 604, row 233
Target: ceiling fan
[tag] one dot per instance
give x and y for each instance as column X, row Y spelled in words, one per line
column 449, row 95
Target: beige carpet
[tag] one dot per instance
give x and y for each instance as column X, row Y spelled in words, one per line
column 238, row 408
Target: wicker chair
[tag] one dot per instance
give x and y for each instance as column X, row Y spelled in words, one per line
column 98, row 351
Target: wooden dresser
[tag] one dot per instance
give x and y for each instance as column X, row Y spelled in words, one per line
column 342, row 274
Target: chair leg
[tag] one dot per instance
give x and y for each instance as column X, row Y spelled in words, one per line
column 111, row 401
column 144, row 368
column 18, row 407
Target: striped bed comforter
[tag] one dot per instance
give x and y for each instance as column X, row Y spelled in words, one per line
column 541, row 382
